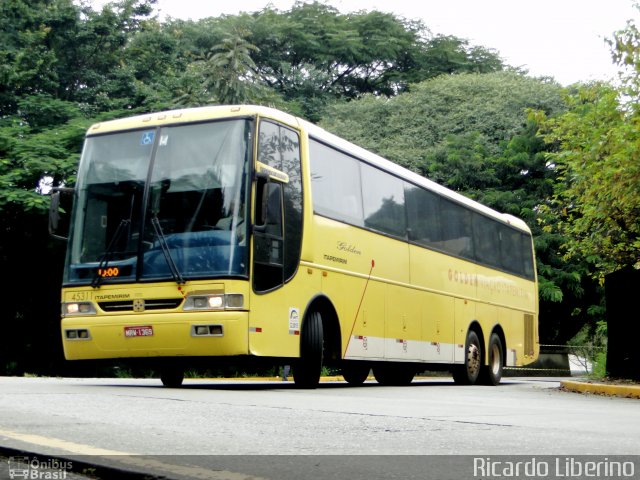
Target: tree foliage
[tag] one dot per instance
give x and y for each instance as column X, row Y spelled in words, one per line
column 597, row 145
column 598, row 198
column 311, row 55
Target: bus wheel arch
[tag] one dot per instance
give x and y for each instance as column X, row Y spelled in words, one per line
column 319, row 342
column 474, row 357
column 331, row 327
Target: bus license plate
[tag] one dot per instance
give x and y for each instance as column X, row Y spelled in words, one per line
column 146, row 331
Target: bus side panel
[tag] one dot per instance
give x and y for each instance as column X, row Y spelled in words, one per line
column 403, row 329
column 362, row 274
column 448, row 302
column 437, row 328
column 522, row 342
column 362, row 338
column 276, row 317
column 512, row 324
column 515, row 299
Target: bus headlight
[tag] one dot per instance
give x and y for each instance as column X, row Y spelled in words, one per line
column 78, row 308
column 230, row 301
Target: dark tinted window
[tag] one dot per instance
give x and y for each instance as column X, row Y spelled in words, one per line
column 456, row 229
column 357, row 193
column 279, row 147
column 335, row 181
column 423, row 216
column 511, row 249
column 383, row 201
column 486, row 240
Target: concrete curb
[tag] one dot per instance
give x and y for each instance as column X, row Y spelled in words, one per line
column 628, row 391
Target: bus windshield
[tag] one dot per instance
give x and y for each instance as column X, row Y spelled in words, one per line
column 165, row 203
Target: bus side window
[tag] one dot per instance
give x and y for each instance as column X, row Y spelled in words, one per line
column 278, row 208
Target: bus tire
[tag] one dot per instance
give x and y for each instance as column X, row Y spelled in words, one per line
column 307, row 369
column 393, row 375
column 492, row 372
column 469, row 371
column 355, row 373
column 172, row 377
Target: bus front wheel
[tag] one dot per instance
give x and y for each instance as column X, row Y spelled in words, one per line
column 469, row 371
column 307, row 369
column 172, row 377
column 391, row 375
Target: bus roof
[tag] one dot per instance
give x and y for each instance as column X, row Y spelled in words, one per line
column 189, row 115
column 199, row 114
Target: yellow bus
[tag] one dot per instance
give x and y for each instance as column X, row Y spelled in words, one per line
column 237, row 233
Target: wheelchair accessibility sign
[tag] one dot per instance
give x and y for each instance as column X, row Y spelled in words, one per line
column 147, row 138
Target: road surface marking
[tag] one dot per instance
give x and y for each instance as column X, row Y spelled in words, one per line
column 128, row 459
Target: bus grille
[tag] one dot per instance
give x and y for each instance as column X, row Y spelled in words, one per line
column 529, row 335
column 128, row 305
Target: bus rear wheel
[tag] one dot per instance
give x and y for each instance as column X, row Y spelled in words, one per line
column 393, row 375
column 355, row 373
column 172, row 377
column 492, row 373
column 307, row 369
column 469, row 371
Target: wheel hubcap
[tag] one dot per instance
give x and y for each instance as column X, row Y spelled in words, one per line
column 495, row 359
column 473, row 359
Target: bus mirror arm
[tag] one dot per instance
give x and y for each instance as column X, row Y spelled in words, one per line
column 260, row 225
column 261, row 175
column 54, row 211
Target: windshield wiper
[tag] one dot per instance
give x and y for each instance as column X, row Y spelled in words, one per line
column 104, row 261
column 177, row 276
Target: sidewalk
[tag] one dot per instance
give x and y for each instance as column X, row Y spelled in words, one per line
column 611, row 389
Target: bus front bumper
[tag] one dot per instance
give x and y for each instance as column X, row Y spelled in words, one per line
column 155, row 335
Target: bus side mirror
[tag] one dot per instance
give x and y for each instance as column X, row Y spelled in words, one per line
column 57, row 222
column 268, row 207
column 268, row 238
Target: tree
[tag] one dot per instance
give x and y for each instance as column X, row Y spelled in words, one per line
column 447, row 54
column 421, row 129
column 598, row 198
column 62, row 68
column 312, row 55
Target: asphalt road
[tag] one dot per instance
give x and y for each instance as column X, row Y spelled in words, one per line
column 249, row 429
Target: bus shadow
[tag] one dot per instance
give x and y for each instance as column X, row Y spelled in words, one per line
column 333, row 385
column 264, row 385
